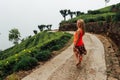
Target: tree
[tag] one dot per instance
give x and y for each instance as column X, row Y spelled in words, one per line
column 41, row 27
column 14, row 35
column 0, row 51
column 49, row 26
column 71, row 13
column 78, row 13
column 35, row 31
column 64, row 13
column 106, row 1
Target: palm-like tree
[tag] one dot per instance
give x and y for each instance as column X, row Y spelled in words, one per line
column 78, row 13
column 49, row 26
column 41, row 27
column 70, row 13
column 64, row 13
column 14, row 35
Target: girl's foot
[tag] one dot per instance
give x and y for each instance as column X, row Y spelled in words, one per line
column 78, row 63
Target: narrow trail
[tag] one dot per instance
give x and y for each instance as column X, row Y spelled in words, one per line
column 62, row 67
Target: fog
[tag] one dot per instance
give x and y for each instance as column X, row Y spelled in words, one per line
column 26, row 15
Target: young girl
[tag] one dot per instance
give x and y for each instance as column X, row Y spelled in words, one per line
column 79, row 48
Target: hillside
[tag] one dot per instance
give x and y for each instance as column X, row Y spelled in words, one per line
column 105, row 21
column 30, row 51
column 96, row 15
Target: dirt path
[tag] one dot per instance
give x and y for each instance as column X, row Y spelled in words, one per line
column 62, row 67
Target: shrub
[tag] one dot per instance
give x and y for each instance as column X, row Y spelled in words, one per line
column 108, row 18
column 8, row 64
column 116, row 17
column 25, row 63
column 13, row 77
column 93, row 12
column 56, row 47
column 100, row 18
column 91, row 20
column 43, row 55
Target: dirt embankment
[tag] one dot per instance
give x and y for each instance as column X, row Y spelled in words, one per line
column 110, row 29
column 112, row 58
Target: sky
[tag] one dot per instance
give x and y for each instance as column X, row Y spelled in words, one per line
column 26, row 15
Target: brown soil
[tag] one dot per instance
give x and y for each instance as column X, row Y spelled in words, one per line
column 112, row 60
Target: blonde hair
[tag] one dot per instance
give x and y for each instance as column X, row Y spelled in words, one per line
column 81, row 24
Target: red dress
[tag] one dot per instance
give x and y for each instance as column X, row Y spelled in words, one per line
column 79, row 46
column 78, row 34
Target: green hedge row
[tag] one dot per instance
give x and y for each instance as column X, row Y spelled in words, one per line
column 40, row 38
column 90, row 18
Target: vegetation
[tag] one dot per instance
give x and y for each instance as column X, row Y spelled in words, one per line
column 26, row 63
column 14, row 35
column 117, row 17
column 25, row 55
column 35, row 31
column 106, row 1
column 90, row 17
column 105, row 20
column 66, row 12
column 97, row 15
column 42, row 27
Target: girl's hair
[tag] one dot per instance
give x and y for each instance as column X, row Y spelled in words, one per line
column 81, row 24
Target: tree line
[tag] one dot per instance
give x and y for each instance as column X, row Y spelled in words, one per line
column 66, row 12
column 14, row 34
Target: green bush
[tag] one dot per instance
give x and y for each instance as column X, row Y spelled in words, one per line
column 25, row 63
column 100, row 18
column 8, row 64
column 55, row 47
column 116, row 17
column 43, row 55
column 94, row 12
column 108, row 18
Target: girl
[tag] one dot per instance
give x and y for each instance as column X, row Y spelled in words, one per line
column 79, row 48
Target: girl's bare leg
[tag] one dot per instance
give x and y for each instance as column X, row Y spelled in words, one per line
column 76, row 57
column 80, row 58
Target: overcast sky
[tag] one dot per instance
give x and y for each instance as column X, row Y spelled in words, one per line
column 26, row 15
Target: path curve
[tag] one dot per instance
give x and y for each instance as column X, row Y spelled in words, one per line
column 62, row 67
